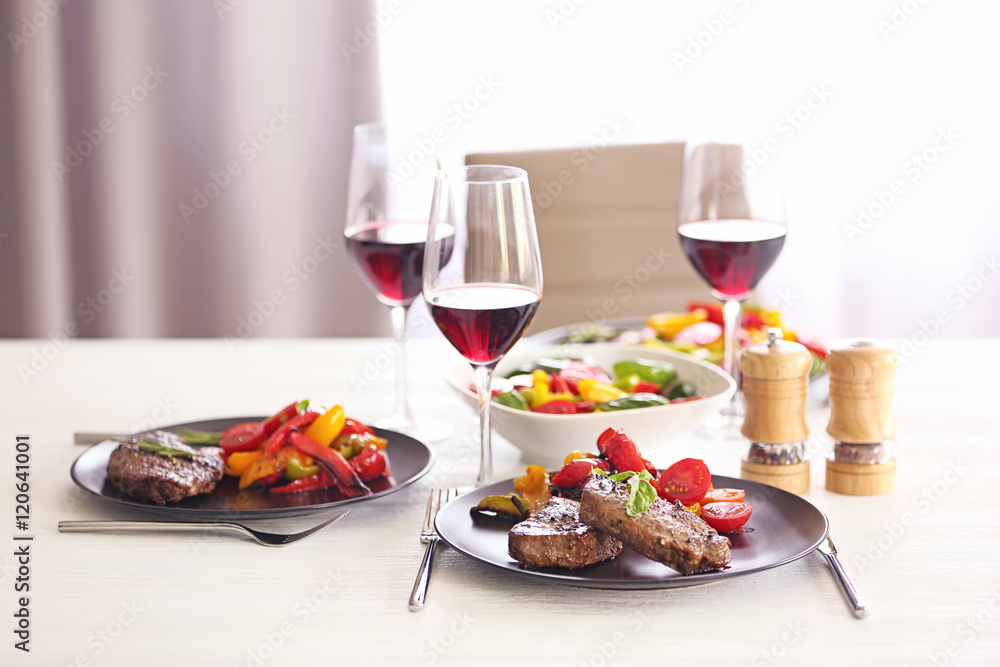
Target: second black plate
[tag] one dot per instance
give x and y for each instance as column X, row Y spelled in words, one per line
column 409, row 460
column 785, row 528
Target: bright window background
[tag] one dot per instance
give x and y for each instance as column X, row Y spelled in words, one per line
column 888, row 82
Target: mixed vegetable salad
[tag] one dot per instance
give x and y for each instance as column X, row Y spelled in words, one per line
column 687, row 481
column 698, row 331
column 568, row 386
column 299, row 449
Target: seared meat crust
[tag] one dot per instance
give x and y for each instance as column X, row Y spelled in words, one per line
column 164, row 479
column 666, row 533
column 555, row 537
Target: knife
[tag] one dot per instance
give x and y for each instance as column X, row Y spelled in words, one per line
column 854, row 599
column 92, row 438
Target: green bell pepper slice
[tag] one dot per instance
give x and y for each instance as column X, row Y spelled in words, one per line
column 631, row 402
column 512, row 399
column 682, row 390
column 296, row 470
column 627, row 383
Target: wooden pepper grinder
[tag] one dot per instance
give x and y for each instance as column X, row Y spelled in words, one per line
column 775, row 385
column 863, row 459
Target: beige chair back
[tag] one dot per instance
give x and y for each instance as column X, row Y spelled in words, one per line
column 607, row 222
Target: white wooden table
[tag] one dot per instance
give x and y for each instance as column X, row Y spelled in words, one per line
column 927, row 557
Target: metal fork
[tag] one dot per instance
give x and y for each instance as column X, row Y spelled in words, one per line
column 859, row 606
column 261, row 537
column 437, row 499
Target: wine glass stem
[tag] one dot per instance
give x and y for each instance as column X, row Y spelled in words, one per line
column 401, row 412
column 731, row 315
column 484, row 378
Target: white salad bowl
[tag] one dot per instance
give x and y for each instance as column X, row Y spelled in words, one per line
column 546, row 439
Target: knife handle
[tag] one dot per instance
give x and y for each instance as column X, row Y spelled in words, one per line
column 857, row 602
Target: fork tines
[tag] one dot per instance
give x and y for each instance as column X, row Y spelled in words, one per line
column 437, row 499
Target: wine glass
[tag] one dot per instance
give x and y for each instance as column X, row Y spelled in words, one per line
column 731, row 227
column 388, row 252
column 484, row 300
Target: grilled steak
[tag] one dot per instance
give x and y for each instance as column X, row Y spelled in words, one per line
column 161, row 478
column 555, row 537
column 666, row 533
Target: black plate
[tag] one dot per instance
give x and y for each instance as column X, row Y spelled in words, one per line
column 785, row 528
column 409, row 460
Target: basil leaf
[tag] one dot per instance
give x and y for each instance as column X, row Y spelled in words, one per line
column 302, row 405
column 641, row 493
column 622, row 476
column 642, row 496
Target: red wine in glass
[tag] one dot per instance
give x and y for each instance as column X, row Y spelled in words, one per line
column 483, row 321
column 390, row 257
column 732, row 255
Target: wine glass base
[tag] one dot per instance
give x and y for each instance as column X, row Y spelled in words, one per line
column 726, row 425
column 722, row 427
column 426, row 429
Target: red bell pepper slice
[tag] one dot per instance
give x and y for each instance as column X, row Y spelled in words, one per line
column 279, row 437
column 265, row 482
column 271, row 424
column 320, row 480
column 370, row 463
column 815, row 348
column 752, row 320
column 651, row 469
column 352, row 426
column 686, row 399
column 558, row 384
column 331, row 460
column 714, row 310
column 643, row 387
column 576, row 471
column 622, row 452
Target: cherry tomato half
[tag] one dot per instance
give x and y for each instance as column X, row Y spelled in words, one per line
column 726, row 517
column 686, row 481
column 244, row 437
column 724, row 496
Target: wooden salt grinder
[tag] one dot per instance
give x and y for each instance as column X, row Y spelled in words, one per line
column 775, row 387
column 863, row 461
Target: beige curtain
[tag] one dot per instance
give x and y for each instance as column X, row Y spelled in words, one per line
column 178, row 168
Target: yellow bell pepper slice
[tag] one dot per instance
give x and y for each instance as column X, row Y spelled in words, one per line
column 597, row 392
column 238, row 462
column 327, row 426
column 265, row 466
column 668, row 325
column 534, row 486
column 259, row 469
column 540, row 384
column 577, row 454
